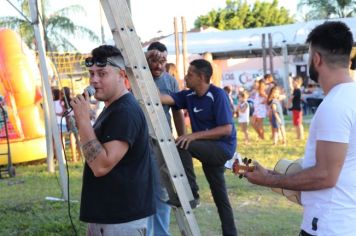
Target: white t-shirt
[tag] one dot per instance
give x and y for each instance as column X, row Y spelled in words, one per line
column 59, row 109
column 244, row 117
column 334, row 208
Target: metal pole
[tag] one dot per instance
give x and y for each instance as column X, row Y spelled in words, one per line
column 286, row 69
column 184, row 45
column 270, row 52
column 176, row 41
column 264, row 54
column 37, row 25
column 101, row 24
column 49, row 135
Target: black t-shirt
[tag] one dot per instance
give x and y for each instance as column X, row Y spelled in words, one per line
column 297, row 99
column 126, row 193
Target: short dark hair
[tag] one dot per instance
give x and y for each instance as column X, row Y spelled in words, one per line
column 157, row 46
column 227, row 89
column 105, row 51
column 204, row 68
column 56, row 93
column 334, row 41
column 268, row 76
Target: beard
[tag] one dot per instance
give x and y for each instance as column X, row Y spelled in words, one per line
column 314, row 75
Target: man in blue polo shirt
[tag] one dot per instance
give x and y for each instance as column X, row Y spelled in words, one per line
column 213, row 137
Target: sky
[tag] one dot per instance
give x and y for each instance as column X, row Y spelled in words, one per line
column 151, row 18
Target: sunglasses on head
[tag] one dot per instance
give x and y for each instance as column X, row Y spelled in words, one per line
column 100, row 62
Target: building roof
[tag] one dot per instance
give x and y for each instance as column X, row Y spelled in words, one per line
column 248, row 42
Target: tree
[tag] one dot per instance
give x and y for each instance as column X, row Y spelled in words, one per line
column 239, row 15
column 57, row 26
column 325, row 9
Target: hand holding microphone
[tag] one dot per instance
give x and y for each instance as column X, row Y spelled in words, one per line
column 81, row 108
column 91, row 91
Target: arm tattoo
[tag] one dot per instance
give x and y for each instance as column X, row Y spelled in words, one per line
column 91, row 150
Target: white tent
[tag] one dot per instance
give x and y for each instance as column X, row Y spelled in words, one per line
column 247, row 42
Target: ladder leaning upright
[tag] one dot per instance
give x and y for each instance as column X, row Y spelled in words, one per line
column 145, row 91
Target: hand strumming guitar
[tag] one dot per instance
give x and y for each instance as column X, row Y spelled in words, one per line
column 255, row 173
column 261, row 176
column 240, row 167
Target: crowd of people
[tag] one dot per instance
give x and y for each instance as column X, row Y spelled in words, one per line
column 123, row 163
column 267, row 100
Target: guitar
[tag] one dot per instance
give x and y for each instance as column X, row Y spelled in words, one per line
column 284, row 167
column 288, row 167
column 240, row 167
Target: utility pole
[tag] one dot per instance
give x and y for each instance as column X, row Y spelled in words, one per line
column 184, row 45
column 286, row 69
column 101, row 24
column 176, row 42
column 264, row 54
column 270, row 52
column 37, row 25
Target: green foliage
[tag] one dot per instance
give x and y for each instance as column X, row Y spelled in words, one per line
column 58, row 25
column 257, row 210
column 325, row 9
column 239, row 15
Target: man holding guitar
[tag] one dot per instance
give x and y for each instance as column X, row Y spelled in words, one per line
column 327, row 180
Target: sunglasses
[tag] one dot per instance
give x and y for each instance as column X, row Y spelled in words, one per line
column 100, row 62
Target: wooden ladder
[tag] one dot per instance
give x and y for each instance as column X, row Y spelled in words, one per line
column 119, row 18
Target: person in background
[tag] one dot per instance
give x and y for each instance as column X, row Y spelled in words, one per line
column 213, row 137
column 254, row 89
column 327, row 180
column 270, row 82
column 277, row 118
column 58, row 109
column 118, row 179
column 171, row 69
column 260, row 109
column 228, row 91
column 297, row 112
column 157, row 58
column 243, row 114
column 66, row 98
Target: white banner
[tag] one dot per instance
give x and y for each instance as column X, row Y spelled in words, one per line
column 246, row 78
column 240, row 78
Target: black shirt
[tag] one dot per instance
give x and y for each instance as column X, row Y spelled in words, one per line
column 126, row 193
column 297, row 99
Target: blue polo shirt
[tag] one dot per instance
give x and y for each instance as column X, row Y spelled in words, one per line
column 207, row 112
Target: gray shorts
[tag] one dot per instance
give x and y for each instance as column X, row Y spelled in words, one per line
column 132, row 228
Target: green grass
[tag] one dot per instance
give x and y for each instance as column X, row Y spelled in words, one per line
column 257, row 210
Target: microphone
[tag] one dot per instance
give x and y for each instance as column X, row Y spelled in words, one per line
column 90, row 89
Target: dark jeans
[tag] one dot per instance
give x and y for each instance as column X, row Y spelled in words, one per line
column 213, row 159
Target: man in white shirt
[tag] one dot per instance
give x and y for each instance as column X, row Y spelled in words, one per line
column 327, row 180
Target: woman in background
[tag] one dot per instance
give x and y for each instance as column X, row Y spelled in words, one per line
column 260, row 109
